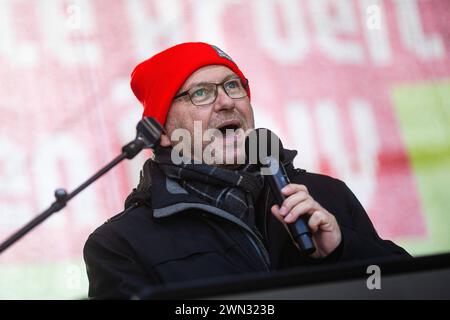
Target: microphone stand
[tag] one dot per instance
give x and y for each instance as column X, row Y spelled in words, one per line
column 149, row 132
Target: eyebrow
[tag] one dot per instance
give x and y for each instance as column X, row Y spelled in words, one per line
column 194, row 84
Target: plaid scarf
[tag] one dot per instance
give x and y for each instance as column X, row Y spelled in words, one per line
column 234, row 191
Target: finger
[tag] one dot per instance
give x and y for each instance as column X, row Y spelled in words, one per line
column 302, row 208
column 293, row 188
column 275, row 209
column 165, row 140
column 292, row 201
column 276, row 212
column 317, row 220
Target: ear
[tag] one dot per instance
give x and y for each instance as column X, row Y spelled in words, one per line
column 165, row 141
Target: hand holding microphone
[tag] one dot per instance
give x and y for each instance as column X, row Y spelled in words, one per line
column 314, row 230
column 323, row 226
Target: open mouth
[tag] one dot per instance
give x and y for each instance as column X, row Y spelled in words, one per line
column 229, row 127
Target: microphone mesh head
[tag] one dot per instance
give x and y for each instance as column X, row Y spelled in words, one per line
column 262, row 143
column 149, row 130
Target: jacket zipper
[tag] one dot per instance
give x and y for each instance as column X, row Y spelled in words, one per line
column 261, row 250
column 258, row 245
column 249, row 234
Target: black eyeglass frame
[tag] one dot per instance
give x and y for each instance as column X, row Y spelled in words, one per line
column 244, row 83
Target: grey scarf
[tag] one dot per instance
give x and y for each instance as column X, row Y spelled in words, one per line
column 234, row 191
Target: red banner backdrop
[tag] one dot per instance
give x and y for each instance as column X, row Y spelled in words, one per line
column 321, row 74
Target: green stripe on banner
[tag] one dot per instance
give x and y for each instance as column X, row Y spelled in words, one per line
column 423, row 111
column 52, row 280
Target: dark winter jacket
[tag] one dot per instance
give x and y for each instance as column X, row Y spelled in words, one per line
column 166, row 235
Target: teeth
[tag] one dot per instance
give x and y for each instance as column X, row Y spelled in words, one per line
column 228, row 130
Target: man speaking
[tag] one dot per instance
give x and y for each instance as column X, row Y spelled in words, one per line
column 198, row 212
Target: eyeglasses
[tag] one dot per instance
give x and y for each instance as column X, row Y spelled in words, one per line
column 206, row 93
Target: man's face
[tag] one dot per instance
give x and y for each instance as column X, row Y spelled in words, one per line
column 224, row 113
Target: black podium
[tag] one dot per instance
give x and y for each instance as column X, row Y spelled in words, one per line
column 425, row 277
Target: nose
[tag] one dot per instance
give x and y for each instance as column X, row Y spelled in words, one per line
column 223, row 101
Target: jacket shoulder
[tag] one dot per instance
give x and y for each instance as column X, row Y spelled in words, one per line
column 318, row 177
column 333, row 194
column 123, row 223
column 318, row 181
column 310, row 179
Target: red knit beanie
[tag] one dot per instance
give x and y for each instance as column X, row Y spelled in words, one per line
column 156, row 81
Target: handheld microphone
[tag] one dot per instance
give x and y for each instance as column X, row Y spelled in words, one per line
column 264, row 148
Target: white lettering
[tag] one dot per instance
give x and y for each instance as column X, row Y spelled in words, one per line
column 426, row 47
column 56, row 27
column 24, row 53
column 122, row 95
column 14, row 186
column 374, row 281
column 376, row 32
column 301, row 129
column 330, row 27
column 290, row 46
column 151, row 32
column 358, row 168
column 60, row 161
column 208, row 17
column 12, row 160
column 188, row 310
